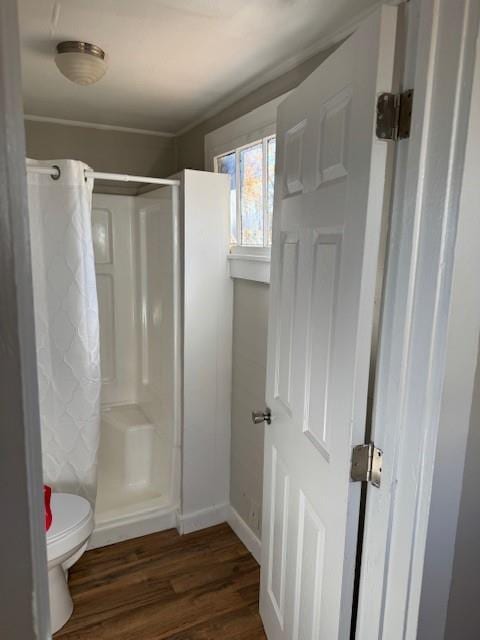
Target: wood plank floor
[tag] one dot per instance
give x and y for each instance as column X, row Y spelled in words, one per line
column 201, row 586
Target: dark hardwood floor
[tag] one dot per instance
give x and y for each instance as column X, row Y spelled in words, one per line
column 201, row 586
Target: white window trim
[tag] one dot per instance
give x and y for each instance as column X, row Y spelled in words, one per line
column 249, row 263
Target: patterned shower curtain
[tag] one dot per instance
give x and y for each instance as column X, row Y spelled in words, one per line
column 66, row 325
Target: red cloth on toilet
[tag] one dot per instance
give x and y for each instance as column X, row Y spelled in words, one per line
column 47, row 494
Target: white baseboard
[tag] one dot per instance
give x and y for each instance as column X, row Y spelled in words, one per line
column 132, row 527
column 188, row 522
column 246, row 535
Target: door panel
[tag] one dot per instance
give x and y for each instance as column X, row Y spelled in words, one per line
column 294, row 159
column 278, row 535
column 333, row 138
column 329, row 193
column 310, row 575
column 320, row 338
column 288, row 291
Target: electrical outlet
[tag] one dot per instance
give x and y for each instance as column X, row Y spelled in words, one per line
column 254, row 515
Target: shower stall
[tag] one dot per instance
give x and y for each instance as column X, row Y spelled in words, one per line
column 137, row 267
column 159, row 456
column 164, row 300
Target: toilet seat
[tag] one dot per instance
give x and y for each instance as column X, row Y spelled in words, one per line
column 72, row 524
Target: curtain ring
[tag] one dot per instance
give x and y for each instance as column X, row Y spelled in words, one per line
column 59, row 173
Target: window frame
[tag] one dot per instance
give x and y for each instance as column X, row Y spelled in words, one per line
column 239, row 247
column 248, row 262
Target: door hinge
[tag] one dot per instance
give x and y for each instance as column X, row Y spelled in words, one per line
column 366, row 464
column 394, row 115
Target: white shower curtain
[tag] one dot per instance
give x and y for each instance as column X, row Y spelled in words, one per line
column 66, row 324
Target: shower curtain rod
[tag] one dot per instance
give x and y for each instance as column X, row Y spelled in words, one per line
column 55, row 173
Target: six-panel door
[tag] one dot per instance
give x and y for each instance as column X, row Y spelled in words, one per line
column 329, row 198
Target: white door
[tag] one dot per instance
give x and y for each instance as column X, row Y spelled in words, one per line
column 329, row 197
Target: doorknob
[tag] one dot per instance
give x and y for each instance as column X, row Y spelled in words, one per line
column 262, row 416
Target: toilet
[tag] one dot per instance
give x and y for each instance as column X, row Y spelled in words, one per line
column 67, row 539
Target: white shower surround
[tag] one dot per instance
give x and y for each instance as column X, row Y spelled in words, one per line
column 66, row 325
column 139, row 454
column 166, row 320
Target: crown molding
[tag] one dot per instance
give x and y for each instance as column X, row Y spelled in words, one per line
column 97, row 125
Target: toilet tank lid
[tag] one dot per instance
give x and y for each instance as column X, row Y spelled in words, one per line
column 68, row 513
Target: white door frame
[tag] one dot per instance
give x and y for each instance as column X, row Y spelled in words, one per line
column 428, row 338
column 455, row 410
column 24, row 609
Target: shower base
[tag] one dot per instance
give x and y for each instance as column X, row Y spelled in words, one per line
column 140, row 519
column 112, row 502
column 134, row 493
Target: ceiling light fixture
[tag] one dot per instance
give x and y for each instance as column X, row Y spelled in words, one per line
column 81, row 62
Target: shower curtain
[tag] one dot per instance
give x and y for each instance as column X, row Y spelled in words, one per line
column 66, row 325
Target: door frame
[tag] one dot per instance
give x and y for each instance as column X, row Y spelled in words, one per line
column 24, row 606
column 428, row 337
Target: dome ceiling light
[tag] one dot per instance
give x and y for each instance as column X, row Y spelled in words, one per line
column 81, row 62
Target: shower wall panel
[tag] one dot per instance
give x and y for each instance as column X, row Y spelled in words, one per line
column 207, row 348
column 138, row 460
column 112, row 226
column 154, row 238
column 154, row 241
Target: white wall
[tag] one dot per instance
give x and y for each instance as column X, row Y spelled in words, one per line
column 463, row 616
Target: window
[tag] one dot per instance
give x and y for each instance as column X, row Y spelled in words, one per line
column 251, row 169
column 244, row 149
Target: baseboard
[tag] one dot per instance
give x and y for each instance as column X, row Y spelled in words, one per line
column 189, row 522
column 246, row 535
column 128, row 528
column 132, row 527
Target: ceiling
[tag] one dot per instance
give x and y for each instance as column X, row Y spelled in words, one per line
column 171, row 62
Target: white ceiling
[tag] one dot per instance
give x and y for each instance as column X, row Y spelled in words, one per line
column 170, row 61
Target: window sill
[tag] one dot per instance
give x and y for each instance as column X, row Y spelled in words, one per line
column 250, row 264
